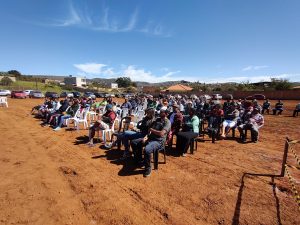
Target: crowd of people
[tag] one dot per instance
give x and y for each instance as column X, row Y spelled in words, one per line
column 162, row 119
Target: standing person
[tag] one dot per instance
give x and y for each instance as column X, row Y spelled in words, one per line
column 104, row 122
column 154, row 141
column 126, row 107
column 189, row 131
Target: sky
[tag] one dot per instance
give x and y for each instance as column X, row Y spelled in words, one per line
column 159, row 40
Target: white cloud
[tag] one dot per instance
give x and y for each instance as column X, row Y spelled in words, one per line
column 90, row 68
column 249, row 68
column 252, row 79
column 105, row 21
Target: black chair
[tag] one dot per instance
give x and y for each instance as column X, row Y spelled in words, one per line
column 156, row 154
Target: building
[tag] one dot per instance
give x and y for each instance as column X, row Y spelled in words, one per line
column 13, row 79
column 114, row 85
column 75, row 81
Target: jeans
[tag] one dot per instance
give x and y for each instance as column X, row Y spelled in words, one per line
column 62, row 118
column 129, row 135
column 151, row 146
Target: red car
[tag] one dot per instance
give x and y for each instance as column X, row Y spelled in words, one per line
column 257, row 97
column 18, row 94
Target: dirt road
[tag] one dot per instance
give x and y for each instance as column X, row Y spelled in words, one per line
column 49, row 177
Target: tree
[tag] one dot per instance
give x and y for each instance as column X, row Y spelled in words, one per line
column 124, row 82
column 6, row 81
column 16, row 73
column 280, row 84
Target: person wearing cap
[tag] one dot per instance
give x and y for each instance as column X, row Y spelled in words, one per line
column 154, row 141
column 252, row 121
column 104, row 122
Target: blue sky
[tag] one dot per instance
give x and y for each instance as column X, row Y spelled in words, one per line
column 157, row 40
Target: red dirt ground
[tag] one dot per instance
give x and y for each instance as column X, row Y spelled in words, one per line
column 50, row 177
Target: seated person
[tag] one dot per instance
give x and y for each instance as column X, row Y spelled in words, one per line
column 71, row 112
column 154, row 141
column 143, row 126
column 230, row 120
column 103, row 123
column 64, row 105
column 278, row 107
column 176, row 119
column 189, row 131
column 297, row 110
column 266, row 107
column 214, row 119
column 252, row 121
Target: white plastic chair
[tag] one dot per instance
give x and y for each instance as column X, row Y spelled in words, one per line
column 138, row 117
column 108, row 131
column 3, row 101
column 82, row 119
column 77, row 115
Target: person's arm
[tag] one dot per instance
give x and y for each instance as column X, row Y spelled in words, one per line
column 160, row 133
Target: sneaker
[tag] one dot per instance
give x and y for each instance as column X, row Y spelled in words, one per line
column 57, row 128
column 147, row 172
column 108, row 146
column 183, row 154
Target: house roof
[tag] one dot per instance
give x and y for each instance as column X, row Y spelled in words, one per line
column 179, row 87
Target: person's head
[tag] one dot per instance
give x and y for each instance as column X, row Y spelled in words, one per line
column 126, row 99
column 109, row 107
column 255, row 110
column 150, row 112
column 192, row 112
column 279, row 101
column 163, row 113
column 175, row 107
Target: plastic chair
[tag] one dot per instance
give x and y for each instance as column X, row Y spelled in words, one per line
column 77, row 115
column 82, row 119
column 3, row 101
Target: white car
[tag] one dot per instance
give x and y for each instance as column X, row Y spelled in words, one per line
column 5, row 92
column 217, row 97
column 27, row 92
column 205, row 97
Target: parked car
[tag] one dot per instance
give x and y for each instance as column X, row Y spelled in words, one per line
column 89, row 94
column 100, row 94
column 36, row 94
column 205, row 97
column 66, row 94
column 217, row 97
column 256, row 96
column 5, row 92
column 27, row 92
column 49, row 94
column 76, row 94
column 229, row 96
column 109, row 95
column 18, row 94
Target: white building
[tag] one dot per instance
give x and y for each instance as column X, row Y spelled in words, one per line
column 75, row 81
column 114, row 85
